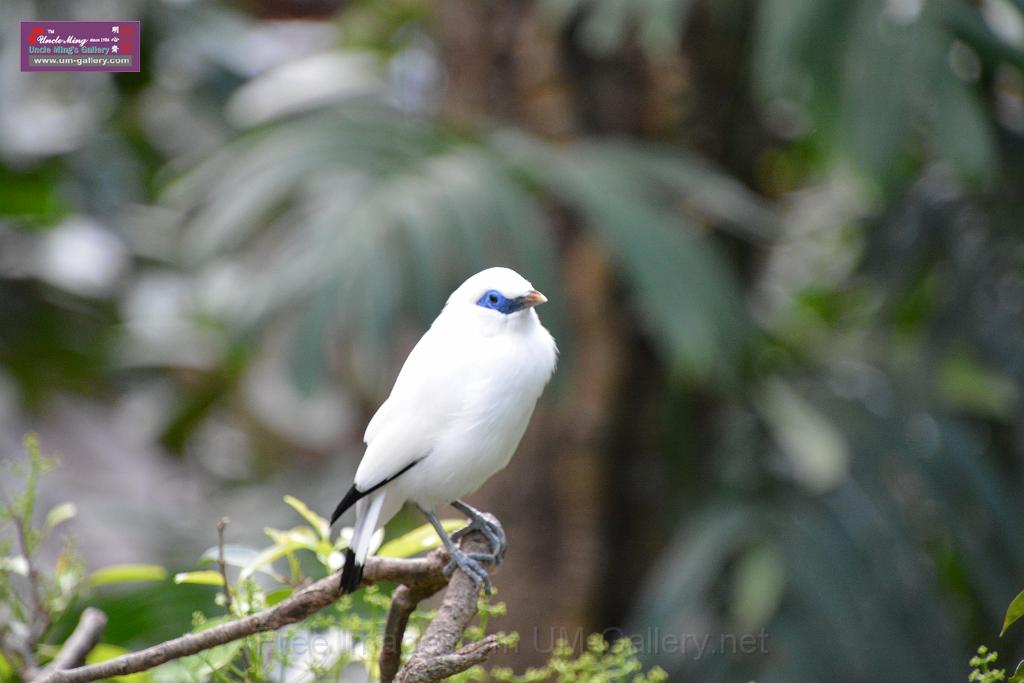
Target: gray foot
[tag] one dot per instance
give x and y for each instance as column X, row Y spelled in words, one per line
column 494, row 534
column 470, row 563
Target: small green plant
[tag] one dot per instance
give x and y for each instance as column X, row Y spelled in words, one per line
column 981, row 671
column 252, row 579
column 31, row 598
column 601, row 662
column 34, row 598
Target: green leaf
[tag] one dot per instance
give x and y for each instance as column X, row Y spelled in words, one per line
column 6, row 670
column 234, row 555
column 817, row 453
column 285, row 542
column 972, row 387
column 32, row 197
column 759, row 580
column 1014, row 612
column 963, row 131
column 59, row 515
column 197, row 667
column 316, row 521
column 263, row 560
column 419, row 539
column 104, row 651
column 207, row 577
column 876, row 111
column 126, row 573
column 219, row 657
column 1018, row 674
column 239, row 556
column 298, row 537
column 279, row 595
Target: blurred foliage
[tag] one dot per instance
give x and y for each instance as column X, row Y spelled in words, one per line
column 819, row 256
column 377, row 196
column 34, row 600
column 881, row 83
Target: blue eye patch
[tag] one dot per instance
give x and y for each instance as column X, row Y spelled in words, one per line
column 494, row 299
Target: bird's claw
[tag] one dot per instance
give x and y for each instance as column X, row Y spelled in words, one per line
column 470, row 563
column 494, row 534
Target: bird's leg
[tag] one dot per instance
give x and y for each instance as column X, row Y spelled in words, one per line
column 467, row 562
column 477, row 520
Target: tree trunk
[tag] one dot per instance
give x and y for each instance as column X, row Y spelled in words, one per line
column 505, row 65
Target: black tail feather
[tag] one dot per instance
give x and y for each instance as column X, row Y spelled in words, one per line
column 352, row 574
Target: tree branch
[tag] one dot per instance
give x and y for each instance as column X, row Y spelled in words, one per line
column 83, row 639
column 435, row 656
column 419, row 579
column 18, row 653
column 446, row 665
column 403, row 603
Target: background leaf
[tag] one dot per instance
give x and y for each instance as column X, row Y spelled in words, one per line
column 418, row 540
column 126, row 573
column 1014, row 612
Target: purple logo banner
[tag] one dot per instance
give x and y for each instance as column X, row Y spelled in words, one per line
column 80, row 45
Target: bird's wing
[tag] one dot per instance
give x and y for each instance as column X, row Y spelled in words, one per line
column 420, row 369
column 425, row 396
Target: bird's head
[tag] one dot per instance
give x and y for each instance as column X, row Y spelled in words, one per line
column 496, row 293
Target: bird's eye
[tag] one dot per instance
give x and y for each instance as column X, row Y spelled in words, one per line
column 494, row 300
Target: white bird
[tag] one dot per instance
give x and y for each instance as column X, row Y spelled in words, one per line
column 455, row 416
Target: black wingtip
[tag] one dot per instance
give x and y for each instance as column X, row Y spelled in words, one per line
column 351, row 574
column 348, row 501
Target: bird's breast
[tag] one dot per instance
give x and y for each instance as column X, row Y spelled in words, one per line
column 498, row 389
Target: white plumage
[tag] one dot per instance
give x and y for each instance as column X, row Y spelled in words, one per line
column 458, row 409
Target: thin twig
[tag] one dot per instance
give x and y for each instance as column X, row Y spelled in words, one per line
column 39, row 621
column 40, row 615
column 17, row 650
column 221, row 564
